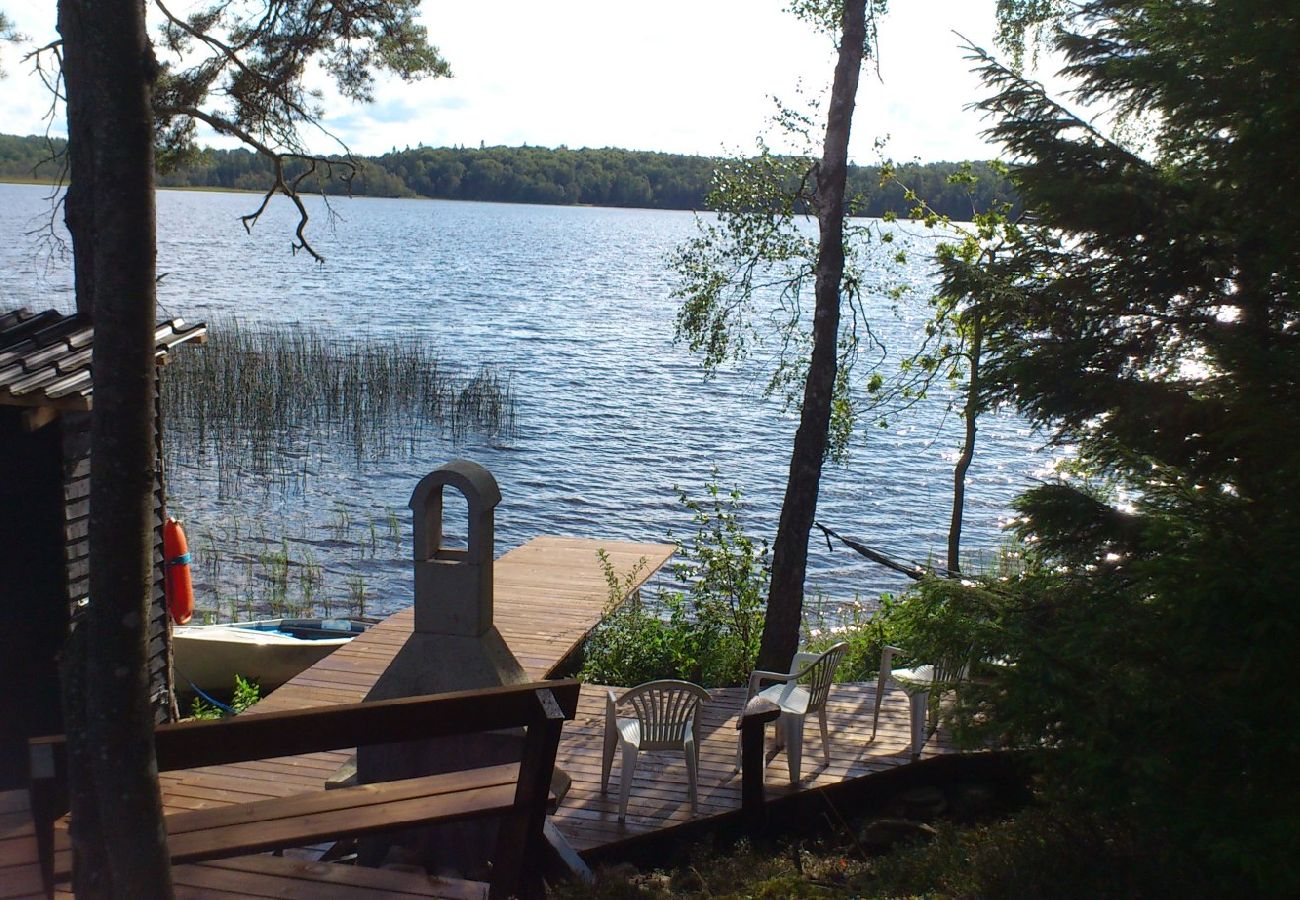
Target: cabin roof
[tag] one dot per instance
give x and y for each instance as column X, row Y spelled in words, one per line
column 45, row 356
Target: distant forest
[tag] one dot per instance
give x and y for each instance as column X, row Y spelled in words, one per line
column 605, row 177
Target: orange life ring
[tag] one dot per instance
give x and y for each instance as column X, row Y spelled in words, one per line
column 176, row 557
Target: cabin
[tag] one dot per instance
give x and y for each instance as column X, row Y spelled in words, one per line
column 46, row 393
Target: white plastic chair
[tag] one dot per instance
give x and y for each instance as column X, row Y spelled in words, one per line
column 800, row 692
column 663, row 718
column 918, row 682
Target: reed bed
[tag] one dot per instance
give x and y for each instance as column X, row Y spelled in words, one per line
column 242, row 572
column 259, row 426
column 262, row 398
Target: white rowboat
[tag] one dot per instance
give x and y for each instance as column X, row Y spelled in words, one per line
column 269, row 651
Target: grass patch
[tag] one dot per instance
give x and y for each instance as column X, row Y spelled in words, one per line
column 1041, row 851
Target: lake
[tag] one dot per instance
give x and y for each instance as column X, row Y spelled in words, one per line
column 573, row 305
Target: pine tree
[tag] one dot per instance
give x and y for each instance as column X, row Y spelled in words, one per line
column 1154, row 325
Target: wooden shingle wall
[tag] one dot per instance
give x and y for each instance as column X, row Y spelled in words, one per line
column 76, row 494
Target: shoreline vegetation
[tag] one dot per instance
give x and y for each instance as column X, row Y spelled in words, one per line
column 559, row 177
column 261, row 406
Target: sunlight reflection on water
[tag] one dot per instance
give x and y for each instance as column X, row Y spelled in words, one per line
column 573, row 304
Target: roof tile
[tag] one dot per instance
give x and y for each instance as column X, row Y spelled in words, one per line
column 45, row 357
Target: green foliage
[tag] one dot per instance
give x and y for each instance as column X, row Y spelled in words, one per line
column 1041, row 851
column 1150, row 323
column 746, row 277
column 632, row 644
column 242, row 69
column 709, row 631
column 8, row 34
column 246, row 694
column 257, row 390
column 937, row 619
column 825, row 16
column 595, row 177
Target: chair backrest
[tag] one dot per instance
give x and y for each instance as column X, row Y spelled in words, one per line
column 664, row 708
column 819, row 674
column 953, row 670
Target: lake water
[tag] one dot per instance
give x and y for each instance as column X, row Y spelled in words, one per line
column 573, row 305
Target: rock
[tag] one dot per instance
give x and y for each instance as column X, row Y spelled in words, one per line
column 924, row 804
column 880, row 835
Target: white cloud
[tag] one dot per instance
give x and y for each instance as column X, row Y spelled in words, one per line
column 689, row 76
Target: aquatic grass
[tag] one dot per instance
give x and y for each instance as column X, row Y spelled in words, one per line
column 261, row 399
column 242, row 571
column 357, row 595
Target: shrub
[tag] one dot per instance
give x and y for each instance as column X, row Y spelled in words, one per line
column 936, row 619
column 706, row 632
column 246, row 694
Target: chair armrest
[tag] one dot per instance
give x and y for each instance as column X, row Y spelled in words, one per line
column 611, row 716
column 758, row 676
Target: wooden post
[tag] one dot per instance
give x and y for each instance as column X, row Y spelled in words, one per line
column 42, row 794
column 753, row 721
column 520, row 856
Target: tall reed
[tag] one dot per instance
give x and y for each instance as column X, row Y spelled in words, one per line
column 257, row 399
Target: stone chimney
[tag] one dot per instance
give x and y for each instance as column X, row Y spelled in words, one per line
column 454, row 646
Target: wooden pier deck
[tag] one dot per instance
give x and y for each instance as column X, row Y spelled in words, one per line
column 549, row 594
column 660, row 796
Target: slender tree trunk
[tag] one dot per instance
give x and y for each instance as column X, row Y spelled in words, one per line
column 77, row 211
column 790, row 550
column 959, row 471
column 111, row 216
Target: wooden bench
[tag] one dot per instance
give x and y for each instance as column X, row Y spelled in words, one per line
column 518, row 792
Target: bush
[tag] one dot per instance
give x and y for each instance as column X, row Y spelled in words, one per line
column 936, row 619
column 1041, row 851
column 707, row 632
column 632, row 644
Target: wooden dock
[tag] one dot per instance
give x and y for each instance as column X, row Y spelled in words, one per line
column 549, row 594
column 659, row 790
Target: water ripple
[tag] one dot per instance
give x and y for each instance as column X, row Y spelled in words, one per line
column 573, row 304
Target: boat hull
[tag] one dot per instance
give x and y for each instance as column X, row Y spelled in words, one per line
column 208, row 657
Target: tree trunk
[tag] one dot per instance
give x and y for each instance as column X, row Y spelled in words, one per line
column 968, row 448
column 81, row 170
column 110, row 73
column 790, row 550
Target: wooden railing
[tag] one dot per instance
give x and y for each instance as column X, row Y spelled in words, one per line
column 753, row 720
column 518, row 793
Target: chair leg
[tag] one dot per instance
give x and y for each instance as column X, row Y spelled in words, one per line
column 880, row 698
column 920, row 709
column 607, row 760
column 826, row 735
column 691, row 752
column 793, row 726
column 625, row 788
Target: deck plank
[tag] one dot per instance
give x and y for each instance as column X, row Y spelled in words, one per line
column 550, row 593
column 660, row 793
column 269, row 876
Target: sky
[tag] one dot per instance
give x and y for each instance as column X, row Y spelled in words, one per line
column 679, row 76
